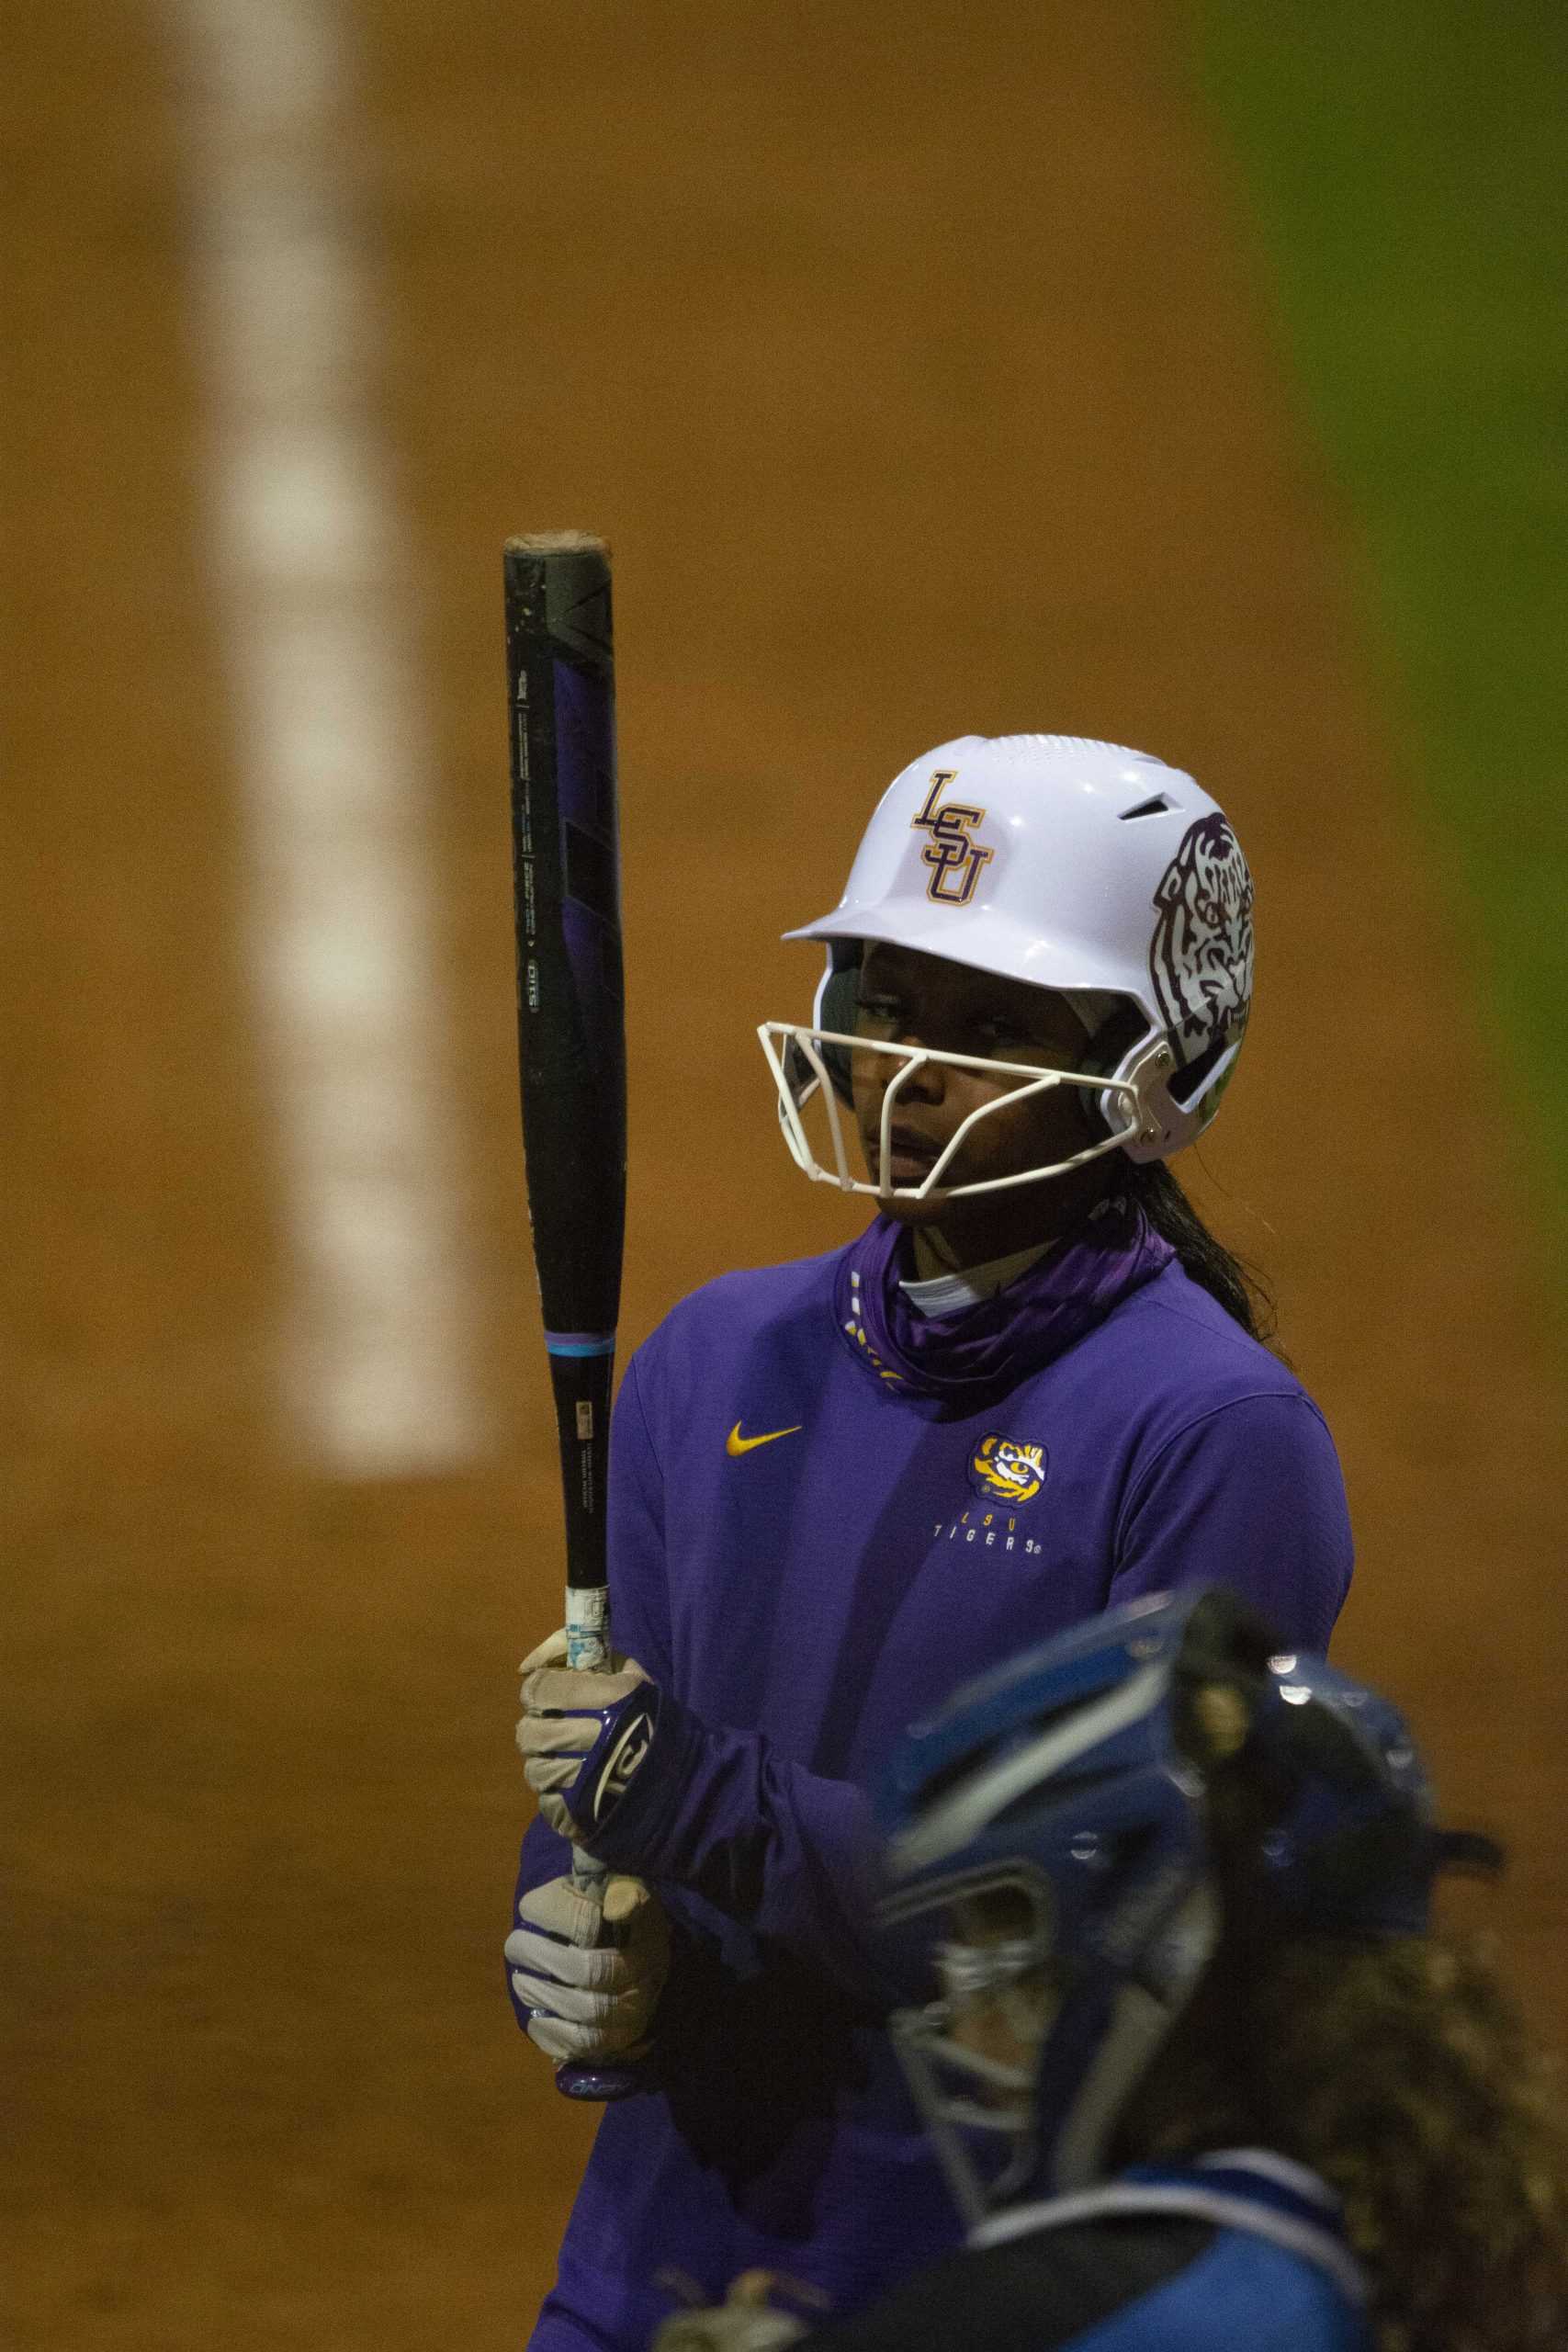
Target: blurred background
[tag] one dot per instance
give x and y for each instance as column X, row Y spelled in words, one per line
column 1190, row 375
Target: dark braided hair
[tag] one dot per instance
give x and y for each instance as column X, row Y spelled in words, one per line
column 1240, row 1289
column 1114, row 1023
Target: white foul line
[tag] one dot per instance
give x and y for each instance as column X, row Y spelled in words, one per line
column 332, row 762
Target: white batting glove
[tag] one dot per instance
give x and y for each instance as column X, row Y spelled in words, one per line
column 590, row 1979
column 564, row 1712
column 744, row 2321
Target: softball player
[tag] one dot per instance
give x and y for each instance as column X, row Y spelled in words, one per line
column 1201, row 2075
column 1033, row 1388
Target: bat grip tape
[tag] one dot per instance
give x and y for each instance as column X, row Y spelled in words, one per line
column 587, row 1650
column 587, row 1628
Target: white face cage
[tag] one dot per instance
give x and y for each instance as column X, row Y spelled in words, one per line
column 979, row 2110
column 966, row 2101
column 1120, row 1100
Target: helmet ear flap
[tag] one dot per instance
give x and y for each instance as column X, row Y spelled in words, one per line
column 1121, row 1025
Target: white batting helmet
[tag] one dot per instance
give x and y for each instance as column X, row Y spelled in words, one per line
column 1081, row 866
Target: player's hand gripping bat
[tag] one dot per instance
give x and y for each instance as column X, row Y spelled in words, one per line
column 571, row 1049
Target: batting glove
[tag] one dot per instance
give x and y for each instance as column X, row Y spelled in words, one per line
column 745, row 2322
column 582, row 1734
column 590, row 1979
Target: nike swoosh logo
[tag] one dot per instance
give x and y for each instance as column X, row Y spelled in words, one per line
column 736, row 1444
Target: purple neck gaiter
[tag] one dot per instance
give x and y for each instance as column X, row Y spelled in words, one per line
column 959, row 1360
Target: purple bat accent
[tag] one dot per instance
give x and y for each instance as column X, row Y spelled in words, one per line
column 585, row 749
column 585, row 774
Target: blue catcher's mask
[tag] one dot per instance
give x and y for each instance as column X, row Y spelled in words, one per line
column 1055, row 1811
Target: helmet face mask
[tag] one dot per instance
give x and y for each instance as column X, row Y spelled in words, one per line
column 970, row 2055
column 1080, row 867
column 807, row 1063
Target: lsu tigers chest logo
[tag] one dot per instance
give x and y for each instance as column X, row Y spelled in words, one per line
column 1006, row 1471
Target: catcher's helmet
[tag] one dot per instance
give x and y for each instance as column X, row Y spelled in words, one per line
column 1079, row 866
column 1071, row 1783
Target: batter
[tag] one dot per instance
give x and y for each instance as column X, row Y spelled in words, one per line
column 1032, row 1389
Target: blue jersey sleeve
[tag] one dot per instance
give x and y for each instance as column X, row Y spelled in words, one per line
column 1249, row 1494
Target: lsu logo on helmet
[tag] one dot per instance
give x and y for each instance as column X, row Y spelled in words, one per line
column 955, row 858
column 1006, row 1472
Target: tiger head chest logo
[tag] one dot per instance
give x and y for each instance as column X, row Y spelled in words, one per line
column 956, row 859
column 1005, row 1470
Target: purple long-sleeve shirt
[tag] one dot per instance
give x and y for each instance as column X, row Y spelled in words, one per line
column 912, row 1517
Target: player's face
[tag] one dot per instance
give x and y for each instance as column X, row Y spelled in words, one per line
column 907, row 999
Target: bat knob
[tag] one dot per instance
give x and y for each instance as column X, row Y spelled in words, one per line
column 600, row 2085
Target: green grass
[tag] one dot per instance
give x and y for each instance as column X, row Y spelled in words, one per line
column 1408, row 163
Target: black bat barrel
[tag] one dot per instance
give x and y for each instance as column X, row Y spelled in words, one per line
column 571, row 1029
